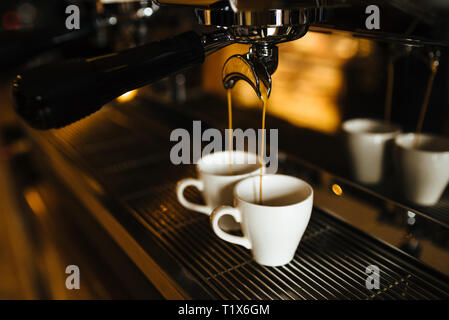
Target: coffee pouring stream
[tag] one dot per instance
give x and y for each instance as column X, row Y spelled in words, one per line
column 255, row 68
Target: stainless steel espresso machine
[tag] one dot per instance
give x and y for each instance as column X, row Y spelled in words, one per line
column 114, row 162
column 55, row 100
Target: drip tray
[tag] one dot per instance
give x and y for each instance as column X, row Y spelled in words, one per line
column 330, row 262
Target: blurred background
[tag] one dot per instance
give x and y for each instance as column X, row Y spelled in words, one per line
column 322, row 79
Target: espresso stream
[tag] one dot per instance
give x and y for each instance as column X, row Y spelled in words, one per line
column 228, row 91
column 264, row 109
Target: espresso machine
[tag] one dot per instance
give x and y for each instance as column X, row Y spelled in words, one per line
column 114, row 161
column 51, row 96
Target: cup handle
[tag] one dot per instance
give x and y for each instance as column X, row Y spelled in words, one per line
column 184, row 183
column 215, row 217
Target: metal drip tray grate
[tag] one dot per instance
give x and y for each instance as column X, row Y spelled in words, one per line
column 330, row 262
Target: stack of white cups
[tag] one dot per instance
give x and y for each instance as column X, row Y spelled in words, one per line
column 421, row 161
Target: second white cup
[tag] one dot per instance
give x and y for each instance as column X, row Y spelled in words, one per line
column 216, row 181
column 422, row 166
column 272, row 230
column 367, row 142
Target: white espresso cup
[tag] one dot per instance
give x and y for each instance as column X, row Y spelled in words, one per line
column 422, row 166
column 216, row 181
column 368, row 142
column 273, row 230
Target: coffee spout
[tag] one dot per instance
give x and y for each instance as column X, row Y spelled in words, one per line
column 255, row 68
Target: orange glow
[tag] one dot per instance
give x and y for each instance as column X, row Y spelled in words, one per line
column 21, row 146
column 346, row 48
column 35, row 202
column 337, row 189
column 307, row 84
column 127, row 96
column 365, row 47
column 93, row 184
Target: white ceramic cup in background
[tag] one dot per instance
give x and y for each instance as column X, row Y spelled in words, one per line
column 423, row 170
column 273, row 230
column 216, row 182
column 368, row 142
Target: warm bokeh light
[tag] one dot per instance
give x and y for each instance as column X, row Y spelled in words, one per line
column 336, row 189
column 127, row 96
column 306, row 85
column 34, row 201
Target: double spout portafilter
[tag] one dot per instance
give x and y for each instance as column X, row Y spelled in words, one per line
column 55, row 95
column 255, row 67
